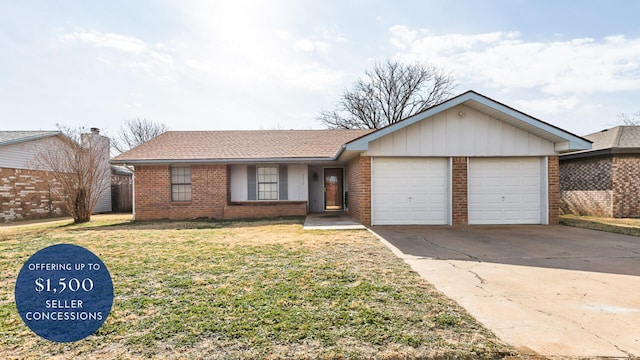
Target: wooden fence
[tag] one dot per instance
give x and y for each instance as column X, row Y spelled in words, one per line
column 122, row 198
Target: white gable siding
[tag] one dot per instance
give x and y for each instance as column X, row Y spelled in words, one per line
column 23, row 155
column 297, row 175
column 448, row 134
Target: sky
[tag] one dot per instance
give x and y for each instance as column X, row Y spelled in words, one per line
column 238, row 64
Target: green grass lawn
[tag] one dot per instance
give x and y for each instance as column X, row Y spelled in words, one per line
column 264, row 289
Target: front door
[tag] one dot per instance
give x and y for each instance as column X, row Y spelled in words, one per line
column 333, row 189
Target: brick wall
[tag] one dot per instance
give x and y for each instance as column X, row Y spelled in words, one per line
column 553, row 180
column 626, row 186
column 460, row 213
column 210, row 197
column 267, row 209
column 209, row 193
column 26, row 194
column 359, row 181
column 586, row 187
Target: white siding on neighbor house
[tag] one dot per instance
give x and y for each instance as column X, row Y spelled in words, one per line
column 24, row 155
column 449, row 134
column 297, row 182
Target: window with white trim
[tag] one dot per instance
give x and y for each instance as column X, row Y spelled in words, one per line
column 267, row 183
column 180, row 183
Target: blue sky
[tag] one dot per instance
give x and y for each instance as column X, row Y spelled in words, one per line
column 196, row 65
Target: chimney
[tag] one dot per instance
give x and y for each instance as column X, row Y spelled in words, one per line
column 95, row 130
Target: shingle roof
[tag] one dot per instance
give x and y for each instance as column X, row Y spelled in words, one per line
column 616, row 138
column 241, row 145
column 11, row 137
column 619, row 139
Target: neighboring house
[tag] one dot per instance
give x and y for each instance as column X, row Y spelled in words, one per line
column 605, row 180
column 25, row 190
column 468, row 160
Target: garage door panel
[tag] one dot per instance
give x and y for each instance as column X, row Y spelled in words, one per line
column 409, row 191
column 504, row 191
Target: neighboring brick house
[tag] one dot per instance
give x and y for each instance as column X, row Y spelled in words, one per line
column 468, row 160
column 603, row 181
column 25, row 190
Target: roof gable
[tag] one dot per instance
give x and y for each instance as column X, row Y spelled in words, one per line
column 240, row 146
column 563, row 141
column 13, row 137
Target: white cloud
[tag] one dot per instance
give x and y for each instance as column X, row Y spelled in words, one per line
column 550, row 105
column 504, row 60
column 108, row 40
column 311, row 46
column 127, row 51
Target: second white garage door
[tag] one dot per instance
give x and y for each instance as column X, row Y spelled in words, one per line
column 504, row 191
column 410, row 191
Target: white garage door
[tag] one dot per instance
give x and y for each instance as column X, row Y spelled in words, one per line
column 409, row 191
column 504, row 191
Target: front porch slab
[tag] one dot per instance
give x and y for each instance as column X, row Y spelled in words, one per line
column 331, row 221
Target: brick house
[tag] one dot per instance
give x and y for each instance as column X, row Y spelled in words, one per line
column 25, row 190
column 469, row 160
column 605, row 180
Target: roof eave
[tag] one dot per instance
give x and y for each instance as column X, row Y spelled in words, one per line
column 220, row 161
column 600, row 152
column 30, row 138
column 568, row 142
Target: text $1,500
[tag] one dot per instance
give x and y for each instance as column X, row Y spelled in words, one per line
column 63, row 284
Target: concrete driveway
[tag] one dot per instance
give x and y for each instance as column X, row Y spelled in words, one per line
column 553, row 290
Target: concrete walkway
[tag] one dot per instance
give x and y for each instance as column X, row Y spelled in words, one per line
column 331, row 221
column 550, row 290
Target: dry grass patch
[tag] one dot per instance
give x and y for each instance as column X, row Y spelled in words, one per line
column 624, row 226
column 263, row 289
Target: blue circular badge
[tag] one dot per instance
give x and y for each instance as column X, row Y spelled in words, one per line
column 64, row 293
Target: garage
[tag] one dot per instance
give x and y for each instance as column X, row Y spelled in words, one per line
column 410, row 191
column 505, row 190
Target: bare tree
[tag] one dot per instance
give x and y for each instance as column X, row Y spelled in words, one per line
column 630, row 120
column 390, row 92
column 136, row 132
column 79, row 165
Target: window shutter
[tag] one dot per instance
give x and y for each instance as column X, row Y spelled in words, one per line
column 251, row 183
column 283, row 182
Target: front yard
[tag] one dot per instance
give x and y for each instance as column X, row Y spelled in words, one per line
column 245, row 290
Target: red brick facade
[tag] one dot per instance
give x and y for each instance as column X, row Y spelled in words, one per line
column 460, row 213
column 210, row 194
column 359, row 182
column 607, row 186
column 267, row 209
column 153, row 193
column 553, row 180
column 626, row 186
column 210, row 197
column 27, row 194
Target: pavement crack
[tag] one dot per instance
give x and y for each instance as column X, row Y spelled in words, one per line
column 482, row 280
column 451, row 249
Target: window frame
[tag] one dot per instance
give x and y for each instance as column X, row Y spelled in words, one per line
column 181, row 176
column 272, row 184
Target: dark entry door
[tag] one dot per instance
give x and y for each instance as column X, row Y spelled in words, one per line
column 333, row 189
